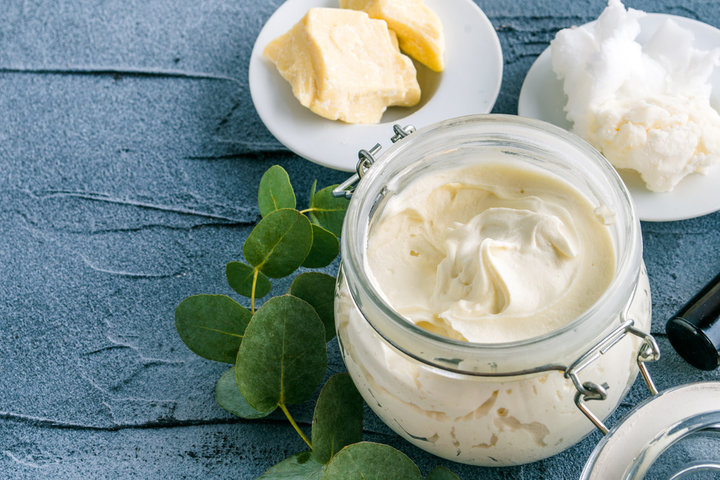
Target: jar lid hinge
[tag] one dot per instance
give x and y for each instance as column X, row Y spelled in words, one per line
column 365, row 160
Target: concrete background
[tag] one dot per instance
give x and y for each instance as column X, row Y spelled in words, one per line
column 130, row 153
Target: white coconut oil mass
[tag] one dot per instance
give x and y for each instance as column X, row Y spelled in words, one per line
column 646, row 107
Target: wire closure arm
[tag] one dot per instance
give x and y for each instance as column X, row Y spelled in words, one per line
column 649, row 351
column 365, row 160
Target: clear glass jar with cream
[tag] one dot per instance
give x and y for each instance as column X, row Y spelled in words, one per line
column 511, row 401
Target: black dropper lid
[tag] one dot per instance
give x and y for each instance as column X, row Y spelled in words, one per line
column 694, row 331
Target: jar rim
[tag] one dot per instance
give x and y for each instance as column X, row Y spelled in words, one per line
column 360, row 279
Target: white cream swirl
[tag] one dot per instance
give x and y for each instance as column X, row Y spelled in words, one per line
column 490, row 253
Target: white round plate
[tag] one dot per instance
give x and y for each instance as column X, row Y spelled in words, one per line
column 542, row 97
column 469, row 84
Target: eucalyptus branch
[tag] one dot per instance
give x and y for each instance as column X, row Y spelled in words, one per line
column 279, row 351
column 252, row 292
column 295, row 425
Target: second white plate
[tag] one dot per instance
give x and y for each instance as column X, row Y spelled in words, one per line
column 542, row 97
column 469, row 84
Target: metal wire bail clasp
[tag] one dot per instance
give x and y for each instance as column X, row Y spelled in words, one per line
column 365, row 160
column 649, row 351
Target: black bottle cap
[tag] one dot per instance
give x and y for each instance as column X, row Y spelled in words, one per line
column 694, row 332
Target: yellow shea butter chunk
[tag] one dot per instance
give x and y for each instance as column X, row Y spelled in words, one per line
column 418, row 28
column 343, row 65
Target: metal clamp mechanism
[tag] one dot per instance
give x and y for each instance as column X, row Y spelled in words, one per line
column 365, row 160
column 401, row 132
column 649, row 351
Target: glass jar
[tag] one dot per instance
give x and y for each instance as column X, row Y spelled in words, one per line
column 493, row 404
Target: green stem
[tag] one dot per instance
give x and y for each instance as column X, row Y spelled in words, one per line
column 295, row 425
column 307, row 210
column 252, row 292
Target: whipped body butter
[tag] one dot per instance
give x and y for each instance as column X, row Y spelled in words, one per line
column 492, row 278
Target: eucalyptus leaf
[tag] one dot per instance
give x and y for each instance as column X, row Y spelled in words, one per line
column 240, row 278
column 275, row 191
column 318, row 289
column 326, row 210
column 212, row 326
column 228, row 396
column 325, row 247
column 442, row 473
column 338, row 417
column 371, row 461
column 301, row 466
column 283, row 356
column 279, row 243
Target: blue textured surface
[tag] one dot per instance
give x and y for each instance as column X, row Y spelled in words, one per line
column 130, row 153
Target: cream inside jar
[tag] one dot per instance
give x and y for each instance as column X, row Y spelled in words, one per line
column 490, row 253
